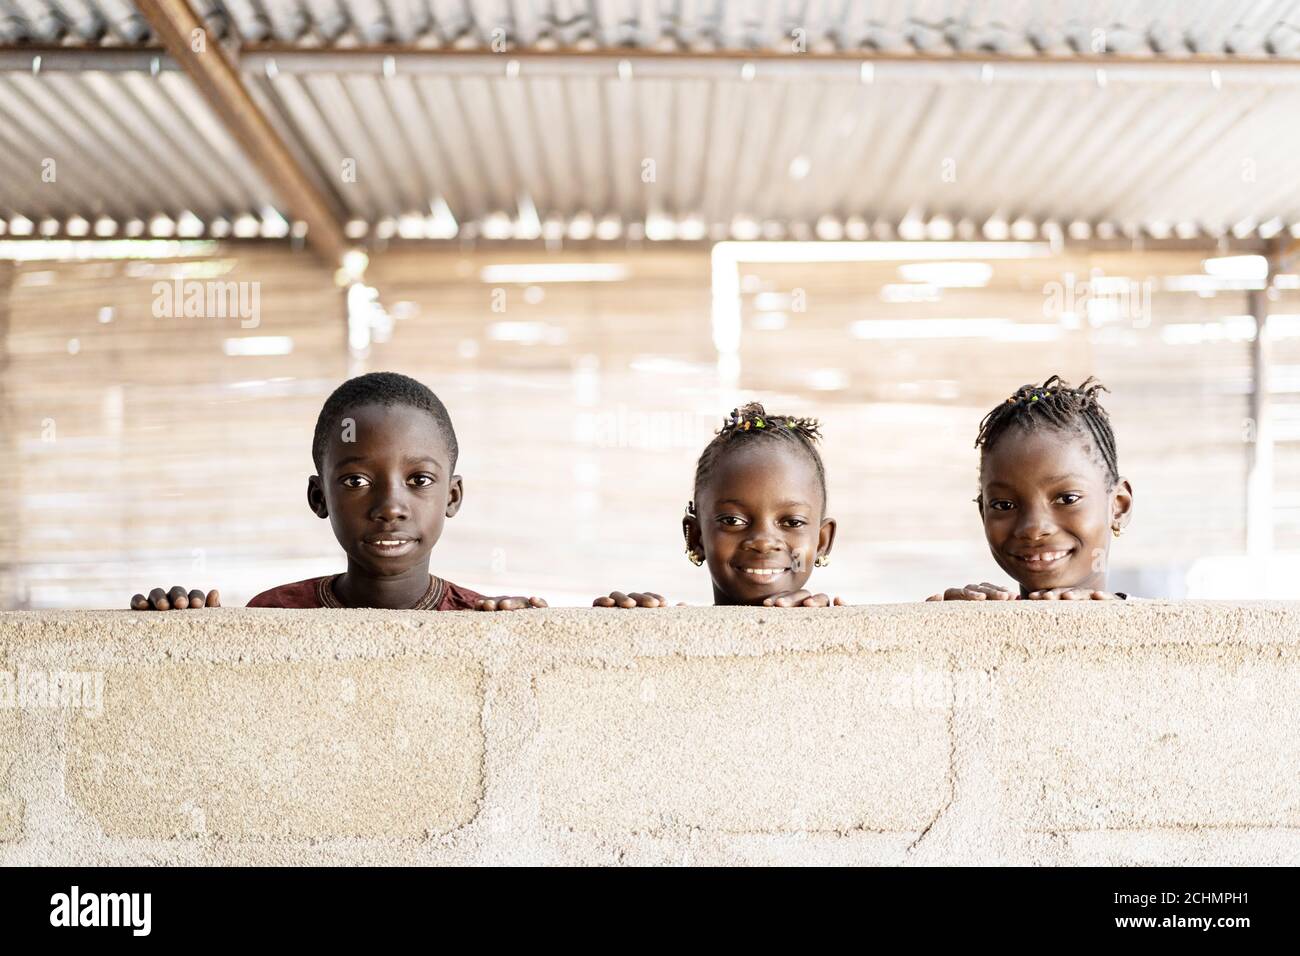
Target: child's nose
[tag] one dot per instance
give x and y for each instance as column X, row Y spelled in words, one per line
column 390, row 506
column 763, row 541
column 1034, row 523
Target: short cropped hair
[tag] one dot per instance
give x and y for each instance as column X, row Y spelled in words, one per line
column 380, row 388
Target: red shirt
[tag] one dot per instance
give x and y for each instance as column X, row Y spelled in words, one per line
column 317, row 592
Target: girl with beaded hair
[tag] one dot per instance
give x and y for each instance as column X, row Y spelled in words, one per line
column 758, row 515
column 1051, row 496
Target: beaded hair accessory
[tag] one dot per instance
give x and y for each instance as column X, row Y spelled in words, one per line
column 1029, row 394
column 755, row 418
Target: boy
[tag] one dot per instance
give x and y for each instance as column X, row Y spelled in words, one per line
column 385, row 455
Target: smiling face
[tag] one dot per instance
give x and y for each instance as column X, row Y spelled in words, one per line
column 758, row 522
column 388, row 491
column 1049, row 510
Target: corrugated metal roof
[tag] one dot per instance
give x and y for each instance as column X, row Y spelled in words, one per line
column 699, row 152
column 408, row 146
column 1162, row 27
column 126, row 146
column 488, row 145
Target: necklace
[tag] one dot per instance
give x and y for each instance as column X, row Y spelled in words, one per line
column 429, row 602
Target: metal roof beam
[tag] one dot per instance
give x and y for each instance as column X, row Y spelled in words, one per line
column 37, row 59
column 174, row 22
column 986, row 67
column 865, row 66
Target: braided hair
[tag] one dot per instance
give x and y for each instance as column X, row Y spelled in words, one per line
column 751, row 424
column 1055, row 404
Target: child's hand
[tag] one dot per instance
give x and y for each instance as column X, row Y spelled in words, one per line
column 632, row 599
column 975, row 592
column 508, row 603
column 1072, row 594
column 800, row 599
column 175, row 599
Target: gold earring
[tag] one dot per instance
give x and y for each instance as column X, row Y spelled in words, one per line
column 1116, row 530
column 692, row 555
column 822, row 560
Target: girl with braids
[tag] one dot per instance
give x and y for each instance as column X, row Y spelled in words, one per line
column 758, row 516
column 1051, row 495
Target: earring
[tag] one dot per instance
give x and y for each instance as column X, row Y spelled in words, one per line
column 1117, row 530
column 695, row 557
column 822, row 560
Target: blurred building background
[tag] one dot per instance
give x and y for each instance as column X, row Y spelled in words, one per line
column 595, row 227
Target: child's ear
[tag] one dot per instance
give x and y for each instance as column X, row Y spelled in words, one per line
column 694, row 536
column 316, row 497
column 455, row 495
column 1121, row 503
column 826, row 537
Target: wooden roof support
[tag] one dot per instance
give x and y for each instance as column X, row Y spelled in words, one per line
column 174, row 23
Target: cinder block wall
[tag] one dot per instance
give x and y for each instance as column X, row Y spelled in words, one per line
column 1137, row 733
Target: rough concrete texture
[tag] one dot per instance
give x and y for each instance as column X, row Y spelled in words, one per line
column 769, row 744
column 308, row 749
column 1061, row 733
column 11, row 807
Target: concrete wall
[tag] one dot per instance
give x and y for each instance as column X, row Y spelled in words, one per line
column 900, row 734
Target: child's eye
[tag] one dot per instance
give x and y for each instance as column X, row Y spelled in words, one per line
column 731, row 521
column 354, row 481
column 421, row 481
column 1000, row 505
column 795, row 522
column 1068, row 498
